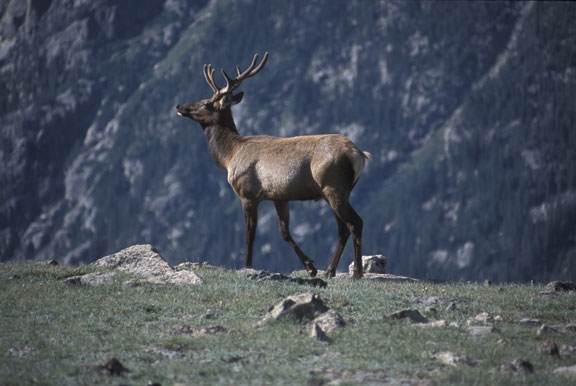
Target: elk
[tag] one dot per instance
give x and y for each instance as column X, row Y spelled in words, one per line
column 262, row 167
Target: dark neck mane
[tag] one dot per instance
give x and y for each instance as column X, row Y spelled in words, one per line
column 223, row 138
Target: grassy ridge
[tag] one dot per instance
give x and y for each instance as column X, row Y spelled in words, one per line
column 52, row 332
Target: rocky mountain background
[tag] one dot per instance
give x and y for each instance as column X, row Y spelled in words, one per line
column 467, row 107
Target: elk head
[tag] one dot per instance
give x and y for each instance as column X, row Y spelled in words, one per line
column 216, row 110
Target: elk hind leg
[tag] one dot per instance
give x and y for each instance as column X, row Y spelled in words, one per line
column 283, row 211
column 343, row 234
column 343, row 210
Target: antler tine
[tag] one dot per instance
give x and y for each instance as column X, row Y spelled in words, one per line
column 250, row 67
column 261, row 65
column 251, row 71
column 232, row 84
column 209, row 76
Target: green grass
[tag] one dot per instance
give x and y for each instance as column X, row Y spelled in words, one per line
column 69, row 328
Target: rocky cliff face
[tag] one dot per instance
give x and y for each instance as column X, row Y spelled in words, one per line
column 465, row 106
column 67, row 67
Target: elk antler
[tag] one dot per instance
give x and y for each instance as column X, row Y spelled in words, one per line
column 209, row 76
column 232, row 84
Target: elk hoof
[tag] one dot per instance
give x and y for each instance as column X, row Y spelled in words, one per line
column 330, row 274
column 357, row 275
column 312, row 271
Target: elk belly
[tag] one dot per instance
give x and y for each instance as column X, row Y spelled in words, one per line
column 287, row 180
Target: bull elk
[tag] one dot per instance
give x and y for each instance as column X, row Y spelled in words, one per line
column 261, row 167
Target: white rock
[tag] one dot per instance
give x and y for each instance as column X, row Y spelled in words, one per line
column 371, row 264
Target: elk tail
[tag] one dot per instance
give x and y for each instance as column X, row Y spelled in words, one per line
column 358, row 163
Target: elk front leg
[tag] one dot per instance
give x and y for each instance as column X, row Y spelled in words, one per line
column 283, row 211
column 250, row 209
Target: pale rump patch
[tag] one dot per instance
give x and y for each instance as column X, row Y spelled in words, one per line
column 358, row 163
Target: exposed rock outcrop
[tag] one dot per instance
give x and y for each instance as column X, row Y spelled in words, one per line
column 141, row 260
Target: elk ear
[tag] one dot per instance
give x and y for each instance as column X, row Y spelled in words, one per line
column 229, row 100
column 237, row 98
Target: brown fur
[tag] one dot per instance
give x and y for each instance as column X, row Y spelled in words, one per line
column 263, row 168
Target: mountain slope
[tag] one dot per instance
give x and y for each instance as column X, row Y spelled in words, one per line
column 466, row 108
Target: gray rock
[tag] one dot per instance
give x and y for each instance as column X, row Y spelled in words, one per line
column 413, row 316
column 316, row 332
column 305, row 306
column 329, row 321
column 482, row 331
column 145, row 261
column 371, row 264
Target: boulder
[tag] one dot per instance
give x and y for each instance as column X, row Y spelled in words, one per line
column 304, row 306
column 371, row 264
column 145, row 261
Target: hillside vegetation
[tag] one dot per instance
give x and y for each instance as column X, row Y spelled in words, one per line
column 58, row 332
column 467, row 107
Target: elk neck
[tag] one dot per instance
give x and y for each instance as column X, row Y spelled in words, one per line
column 223, row 140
